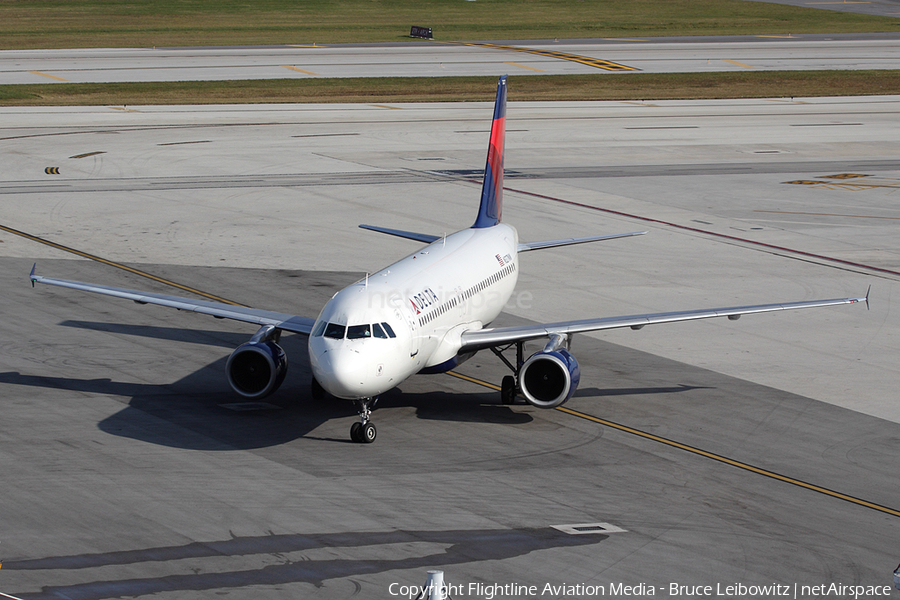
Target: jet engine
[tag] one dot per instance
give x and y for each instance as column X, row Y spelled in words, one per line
column 549, row 378
column 256, row 369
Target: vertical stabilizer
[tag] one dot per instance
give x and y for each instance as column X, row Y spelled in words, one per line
column 492, row 191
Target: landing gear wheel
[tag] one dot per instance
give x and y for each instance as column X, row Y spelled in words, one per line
column 367, row 433
column 508, row 390
column 363, row 432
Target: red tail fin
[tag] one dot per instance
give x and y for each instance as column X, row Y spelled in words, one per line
column 492, row 191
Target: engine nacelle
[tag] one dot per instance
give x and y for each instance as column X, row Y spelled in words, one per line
column 257, row 368
column 548, row 379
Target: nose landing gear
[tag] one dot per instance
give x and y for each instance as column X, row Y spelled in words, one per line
column 363, row 432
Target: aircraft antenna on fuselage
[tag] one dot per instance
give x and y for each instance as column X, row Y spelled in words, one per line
column 492, row 191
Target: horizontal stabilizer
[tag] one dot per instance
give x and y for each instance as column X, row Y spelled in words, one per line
column 568, row 242
column 410, row 235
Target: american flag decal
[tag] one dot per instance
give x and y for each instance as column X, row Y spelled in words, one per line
column 500, row 260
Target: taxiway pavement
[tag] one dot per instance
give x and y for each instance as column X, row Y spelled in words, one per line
column 130, row 468
column 440, row 59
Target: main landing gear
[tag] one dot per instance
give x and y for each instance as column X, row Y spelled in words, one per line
column 508, row 390
column 363, row 431
column 509, row 385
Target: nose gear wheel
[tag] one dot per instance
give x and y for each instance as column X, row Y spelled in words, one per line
column 363, row 431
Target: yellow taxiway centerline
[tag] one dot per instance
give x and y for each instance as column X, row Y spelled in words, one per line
column 598, row 63
column 705, row 454
column 47, row 75
column 512, row 64
column 299, row 70
column 740, row 64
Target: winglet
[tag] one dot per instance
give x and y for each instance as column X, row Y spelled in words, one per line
column 492, row 190
column 867, row 296
column 31, row 275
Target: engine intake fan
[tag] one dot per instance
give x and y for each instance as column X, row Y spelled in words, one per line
column 548, row 379
column 257, row 368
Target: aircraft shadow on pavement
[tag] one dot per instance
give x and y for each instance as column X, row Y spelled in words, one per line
column 201, row 412
column 591, row 392
column 450, row 548
column 173, row 334
column 457, row 407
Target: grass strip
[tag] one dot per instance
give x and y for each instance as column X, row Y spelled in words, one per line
column 607, row 86
column 123, row 23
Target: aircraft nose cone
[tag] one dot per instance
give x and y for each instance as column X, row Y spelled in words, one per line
column 342, row 373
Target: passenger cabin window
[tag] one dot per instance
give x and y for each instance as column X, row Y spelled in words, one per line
column 358, row 332
column 335, row 331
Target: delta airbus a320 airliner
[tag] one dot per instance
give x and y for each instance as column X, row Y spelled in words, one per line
column 426, row 313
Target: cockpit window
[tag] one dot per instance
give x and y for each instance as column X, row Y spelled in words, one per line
column 353, row 332
column 358, row 332
column 319, row 328
column 333, row 330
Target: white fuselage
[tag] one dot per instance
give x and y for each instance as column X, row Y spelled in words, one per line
column 409, row 316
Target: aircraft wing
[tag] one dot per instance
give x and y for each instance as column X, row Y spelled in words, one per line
column 220, row 310
column 492, row 337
